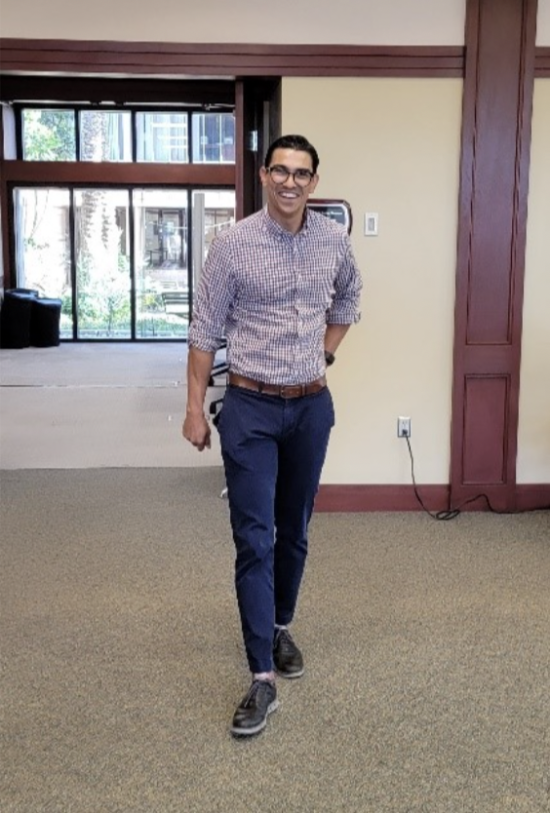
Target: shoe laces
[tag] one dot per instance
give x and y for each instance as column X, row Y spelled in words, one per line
column 284, row 641
column 253, row 691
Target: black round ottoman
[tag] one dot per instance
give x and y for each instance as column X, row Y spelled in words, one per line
column 15, row 319
column 45, row 319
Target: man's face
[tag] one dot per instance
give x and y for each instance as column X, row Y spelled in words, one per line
column 286, row 198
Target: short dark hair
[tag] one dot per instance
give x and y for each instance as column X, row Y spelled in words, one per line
column 292, row 142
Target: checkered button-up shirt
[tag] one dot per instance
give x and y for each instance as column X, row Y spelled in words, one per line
column 271, row 294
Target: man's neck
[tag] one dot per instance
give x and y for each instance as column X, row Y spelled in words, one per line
column 291, row 224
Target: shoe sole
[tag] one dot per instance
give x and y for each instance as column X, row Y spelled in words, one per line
column 290, row 675
column 249, row 732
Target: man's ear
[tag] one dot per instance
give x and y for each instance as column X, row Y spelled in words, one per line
column 263, row 175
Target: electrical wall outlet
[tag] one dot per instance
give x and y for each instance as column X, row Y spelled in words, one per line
column 403, row 427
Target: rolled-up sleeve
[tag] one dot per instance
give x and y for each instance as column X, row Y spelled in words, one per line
column 213, row 298
column 348, row 285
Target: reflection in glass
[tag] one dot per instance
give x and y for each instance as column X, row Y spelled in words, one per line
column 219, row 212
column 105, row 135
column 213, row 213
column 162, row 137
column 42, row 247
column 102, row 264
column 213, row 138
column 48, row 135
column 161, row 258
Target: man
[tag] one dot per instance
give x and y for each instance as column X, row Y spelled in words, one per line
column 283, row 288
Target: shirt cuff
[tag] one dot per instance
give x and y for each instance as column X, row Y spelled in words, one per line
column 343, row 316
column 205, row 343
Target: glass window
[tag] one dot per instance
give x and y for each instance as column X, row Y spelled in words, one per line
column 43, row 246
column 169, row 248
column 105, row 135
column 48, row 135
column 213, row 212
column 213, row 138
column 162, row 137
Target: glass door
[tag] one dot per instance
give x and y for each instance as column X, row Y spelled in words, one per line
column 213, row 213
column 102, row 250
column 124, row 262
column 43, row 246
column 167, row 268
column 161, row 263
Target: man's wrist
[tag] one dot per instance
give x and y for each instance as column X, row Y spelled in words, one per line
column 330, row 358
column 194, row 411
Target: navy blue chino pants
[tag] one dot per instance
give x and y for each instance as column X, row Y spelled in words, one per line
column 273, row 451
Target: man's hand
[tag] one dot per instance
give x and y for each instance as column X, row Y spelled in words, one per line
column 196, row 430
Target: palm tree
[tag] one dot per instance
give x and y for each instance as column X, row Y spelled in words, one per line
column 102, row 278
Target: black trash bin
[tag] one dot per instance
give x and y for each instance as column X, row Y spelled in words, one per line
column 45, row 319
column 16, row 317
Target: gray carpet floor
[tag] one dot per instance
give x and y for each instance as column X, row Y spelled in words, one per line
column 427, row 649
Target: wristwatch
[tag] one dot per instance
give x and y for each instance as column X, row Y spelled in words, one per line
column 330, row 358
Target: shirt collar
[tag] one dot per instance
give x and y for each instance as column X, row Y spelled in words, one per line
column 276, row 230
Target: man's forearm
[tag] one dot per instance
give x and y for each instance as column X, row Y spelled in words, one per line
column 199, row 369
column 334, row 335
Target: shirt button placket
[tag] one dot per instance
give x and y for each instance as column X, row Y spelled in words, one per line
column 300, row 293
column 297, row 291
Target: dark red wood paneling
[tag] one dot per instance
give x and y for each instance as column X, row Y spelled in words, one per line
column 542, row 63
column 82, row 172
column 253, row 98
column 357, row 498
column 3, row 211
column 239, row 150
column 485, row 425
column 499, row 87
column 381, row 498
column 533, row 496
column 496, row 129
column 174, row 59
column 120, row 91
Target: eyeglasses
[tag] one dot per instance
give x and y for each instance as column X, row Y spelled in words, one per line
column 301, row 177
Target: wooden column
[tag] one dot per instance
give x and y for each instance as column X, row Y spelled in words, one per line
column 257, row 115
column 499, row 70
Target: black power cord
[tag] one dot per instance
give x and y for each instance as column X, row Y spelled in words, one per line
column 452, row 513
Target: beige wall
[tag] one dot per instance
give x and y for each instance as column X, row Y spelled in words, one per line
column 400, row 22
column 543, row 23
column 391, row 146
column 533, row 465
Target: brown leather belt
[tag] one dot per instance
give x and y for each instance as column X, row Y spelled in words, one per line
column 284, row 391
